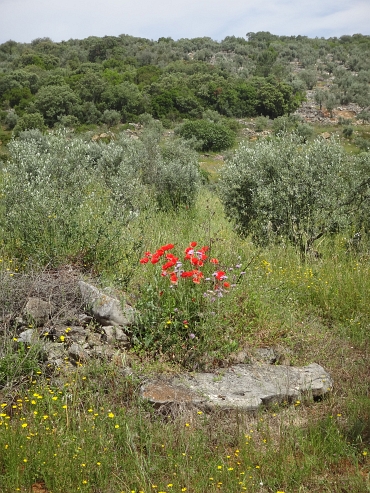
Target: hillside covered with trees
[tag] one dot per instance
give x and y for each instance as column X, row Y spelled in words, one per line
column 116, row 79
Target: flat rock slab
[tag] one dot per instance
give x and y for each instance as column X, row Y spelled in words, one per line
column 243, row 387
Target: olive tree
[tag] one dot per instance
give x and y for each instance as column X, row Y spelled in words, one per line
column 56, row 204
column 287, row 190
column 309, row 77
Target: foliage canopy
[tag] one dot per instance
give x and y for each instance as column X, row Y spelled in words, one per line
column 287, row 190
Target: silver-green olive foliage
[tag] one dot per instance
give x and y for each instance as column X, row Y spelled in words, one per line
column 286, row 190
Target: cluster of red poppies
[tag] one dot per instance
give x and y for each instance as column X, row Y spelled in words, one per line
column 196, row 257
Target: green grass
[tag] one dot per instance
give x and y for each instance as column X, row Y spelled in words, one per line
column 70, row 438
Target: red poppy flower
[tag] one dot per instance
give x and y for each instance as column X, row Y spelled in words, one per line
column 144, row 260
column 194, row 261
column 169, row 264
column 193, row 244
column 169, row 246
column 220, row 275
column 198, row 273
column 213, row 261
column 147, row 254
column 159, row 252
column 226, row 284
column 205, row 248
column 154, row 259
column 187, row 273
column 173, row 278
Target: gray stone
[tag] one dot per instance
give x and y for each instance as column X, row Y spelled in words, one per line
column 20, row 322
column 109, row 334
column 77, row 334
column 84, row 319
column 55, row 352
column 105, row 353
column 77, row 353
column 243, row 387
column 115, row 336
column 121, row 336
column 28, row 336
column 94, row 339
column 106, row 309
column 38, row 310
column 266, row 355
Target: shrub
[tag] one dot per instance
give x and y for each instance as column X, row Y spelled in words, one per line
column 211, row 115
column 359, row 199
column 347, row 132
column 11, row 119
column 68, row 121
column 363, row 144
column 285, row 190
column 284, row 124
column 214, row 136
column 111, row 117
column 178, row 176
column 66, row 198
column 170, row 169
column 305, row 131
column 261, row 123
column 29, row 121
column 55, row 101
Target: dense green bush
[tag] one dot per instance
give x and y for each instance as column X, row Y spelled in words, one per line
column 363, row 144
column 287, row 190
column 285, row 124
column 305, row 131
column 178, row 176
column 348, row 131
column 214, row 136
column 359, row 200
column 170, row 169
column 111, row 117
column 29, row 121
column 55, row 101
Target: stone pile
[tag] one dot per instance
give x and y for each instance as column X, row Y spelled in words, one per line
column 99, row 332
